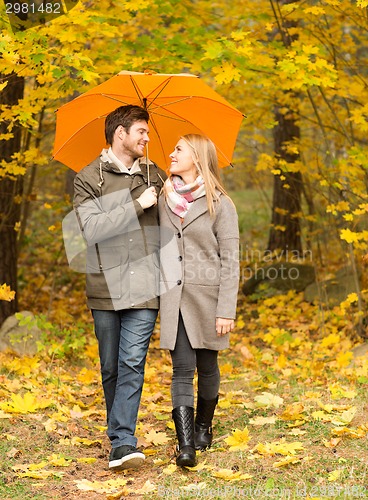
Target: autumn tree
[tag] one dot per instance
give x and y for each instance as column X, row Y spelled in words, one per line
column 11, row 189
column 285, row 231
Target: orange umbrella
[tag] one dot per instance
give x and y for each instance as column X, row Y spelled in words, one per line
column 177, row 104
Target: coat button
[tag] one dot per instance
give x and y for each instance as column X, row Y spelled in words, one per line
column 179, row 235
column 179, row 282
column 180, row 258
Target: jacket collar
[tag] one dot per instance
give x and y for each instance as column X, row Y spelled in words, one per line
column 199, row 207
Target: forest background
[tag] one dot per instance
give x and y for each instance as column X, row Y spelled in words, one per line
column 298, row 72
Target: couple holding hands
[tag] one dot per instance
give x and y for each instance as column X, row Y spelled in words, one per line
column 153, row 243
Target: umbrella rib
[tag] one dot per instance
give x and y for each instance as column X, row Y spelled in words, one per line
column 170, row 103
column 138, row 92
column 115, row 98
column 164, row 85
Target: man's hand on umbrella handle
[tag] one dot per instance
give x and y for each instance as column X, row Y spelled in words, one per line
column 224, row 326
column 148, row 198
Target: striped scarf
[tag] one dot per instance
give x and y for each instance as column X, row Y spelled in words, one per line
column 180, row 196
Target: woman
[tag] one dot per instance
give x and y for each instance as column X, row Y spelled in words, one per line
column 200, row 279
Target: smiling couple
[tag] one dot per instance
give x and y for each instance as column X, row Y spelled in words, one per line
column 130, row 217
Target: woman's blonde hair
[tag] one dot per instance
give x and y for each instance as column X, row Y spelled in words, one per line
column 205, row 159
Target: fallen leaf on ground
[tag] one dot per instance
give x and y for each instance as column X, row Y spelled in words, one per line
column 266, row 399
column 238, row 440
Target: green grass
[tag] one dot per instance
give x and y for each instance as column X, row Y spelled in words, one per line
column 254, row 215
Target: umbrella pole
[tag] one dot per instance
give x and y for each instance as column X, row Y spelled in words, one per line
column 148, row 167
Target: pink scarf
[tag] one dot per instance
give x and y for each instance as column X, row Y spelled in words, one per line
column 180, row 196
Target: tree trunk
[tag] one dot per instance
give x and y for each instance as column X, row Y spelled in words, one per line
column 285, row 234
column 9, row 205
column 285, row 231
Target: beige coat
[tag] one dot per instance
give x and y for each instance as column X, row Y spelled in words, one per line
column 199, row 272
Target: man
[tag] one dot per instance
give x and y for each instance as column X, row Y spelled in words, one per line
column 116, row 204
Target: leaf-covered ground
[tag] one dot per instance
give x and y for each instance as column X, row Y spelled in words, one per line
column 291, row 422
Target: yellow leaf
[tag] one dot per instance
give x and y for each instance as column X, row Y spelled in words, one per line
column 10, row 437
column 278, row 448
column 87, row 376
column 156, row 438
column 59, row 461
column 321, row 415
column 343, row 359
column 332, row 443
column 352, row 433
column 338, row 392
column 84, row 441
column 230, row 475
column 148, row 487
column 330, row 340
column 170, row 469
column 293, row 412
column 87, row 460
column 262, row 420
column 267, row 399
column 50, row 425
column 28, row 403
column 6, row 293
column 297, row 432
column 40, row 474
column 109, row 486
column 194, row 487
column 349, row 236
column 334, row 475
column 226, row 73
column 286, row 461
column 238, row 439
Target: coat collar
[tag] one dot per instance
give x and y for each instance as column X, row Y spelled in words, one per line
column 199, row 207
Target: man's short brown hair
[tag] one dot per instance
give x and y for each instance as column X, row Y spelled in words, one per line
column 124, row 116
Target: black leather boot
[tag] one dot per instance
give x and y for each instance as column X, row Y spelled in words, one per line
column 203, row 422
column 183, row 417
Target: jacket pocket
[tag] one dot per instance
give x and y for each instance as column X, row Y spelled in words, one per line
column 104, row 274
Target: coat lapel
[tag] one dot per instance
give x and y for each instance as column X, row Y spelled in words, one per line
column 199, row 207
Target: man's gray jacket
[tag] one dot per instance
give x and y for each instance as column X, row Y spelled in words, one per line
column 122, row 257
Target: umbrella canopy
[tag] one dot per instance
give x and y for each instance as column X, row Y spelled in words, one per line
column 177, row 104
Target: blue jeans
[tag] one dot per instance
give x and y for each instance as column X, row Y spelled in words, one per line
column 123, row 340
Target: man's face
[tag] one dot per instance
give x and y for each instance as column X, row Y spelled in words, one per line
column 134, row 142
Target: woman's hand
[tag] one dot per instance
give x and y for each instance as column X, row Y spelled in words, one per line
column 224, row 326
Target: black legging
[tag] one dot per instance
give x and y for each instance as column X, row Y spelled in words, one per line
column 185, row 360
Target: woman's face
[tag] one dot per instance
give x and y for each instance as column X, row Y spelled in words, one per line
column 182, row 162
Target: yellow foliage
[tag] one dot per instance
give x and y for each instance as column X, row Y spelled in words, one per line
column 6, row 293
column 230, row 475
column 226, row 73
column 267, row 400
column 334, row 475
column 156, row 438
column 286, row 461
column 280, row 447
column 293, row 412
column 238, row 440
column 103, row 487
column 29, row 403
column 352, row 433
